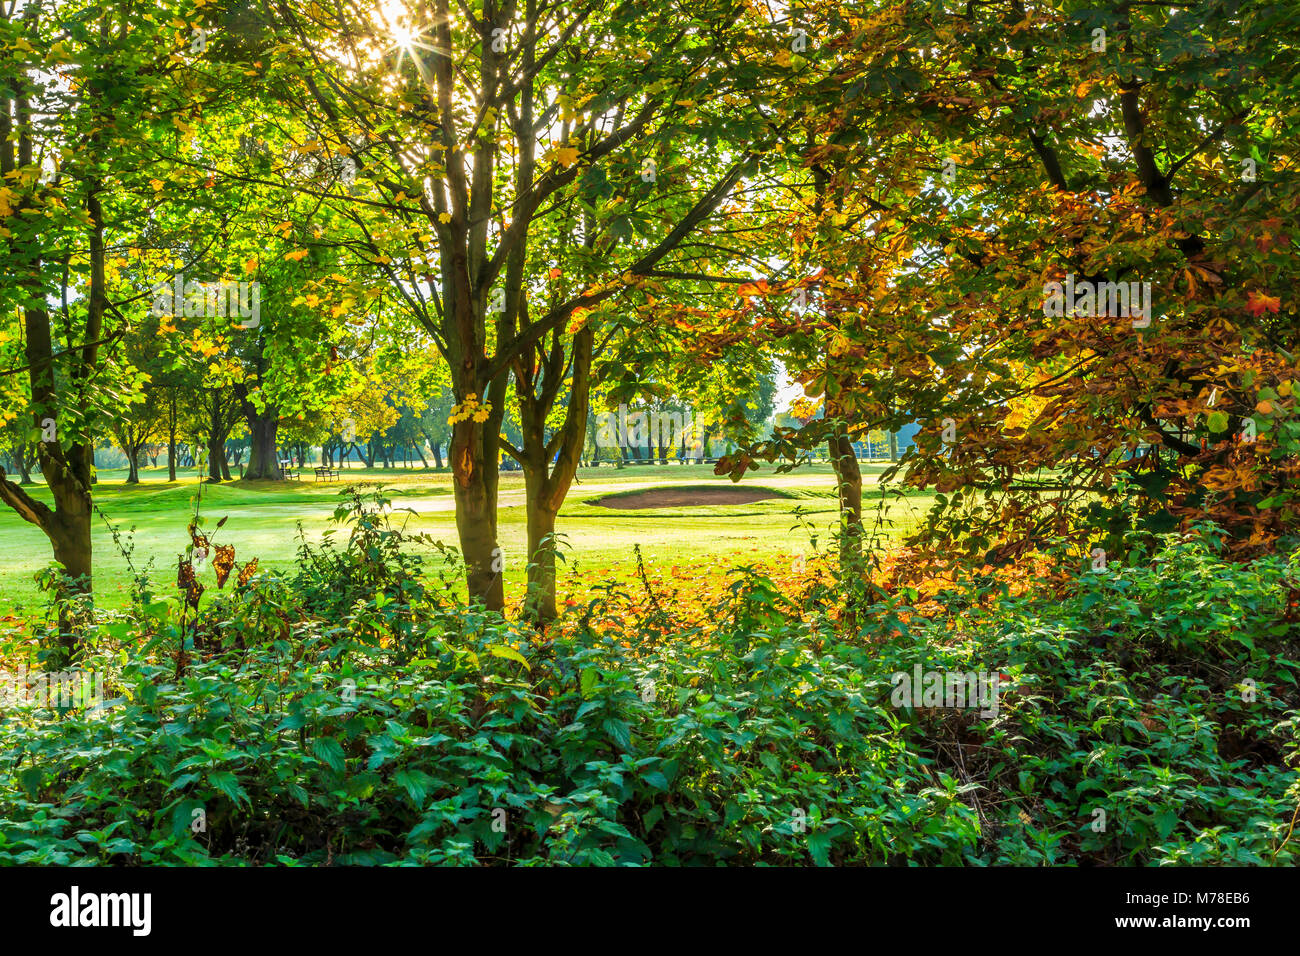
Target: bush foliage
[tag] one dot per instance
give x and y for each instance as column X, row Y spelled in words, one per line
column 358, row 713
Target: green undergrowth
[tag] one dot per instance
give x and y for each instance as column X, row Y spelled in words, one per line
column 351, row 713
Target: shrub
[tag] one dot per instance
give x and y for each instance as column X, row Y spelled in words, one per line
column 350, row 715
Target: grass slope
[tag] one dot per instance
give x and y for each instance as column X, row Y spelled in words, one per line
column 264, row 518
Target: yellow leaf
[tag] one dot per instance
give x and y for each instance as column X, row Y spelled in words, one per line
column 509, row 653
column 566, row 156
column 296, row 256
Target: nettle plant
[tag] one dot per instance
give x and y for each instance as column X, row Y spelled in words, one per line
column 377, row 558
column 391, row 729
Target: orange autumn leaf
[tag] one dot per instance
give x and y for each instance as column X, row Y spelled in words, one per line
column 1258, row 302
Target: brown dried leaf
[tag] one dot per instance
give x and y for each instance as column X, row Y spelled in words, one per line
column 246, row 573
column 223, row 563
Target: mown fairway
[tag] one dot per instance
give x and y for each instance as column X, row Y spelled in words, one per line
column 264, row 518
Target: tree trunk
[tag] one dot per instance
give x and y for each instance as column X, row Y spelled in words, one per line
column 218, row 429
column 67, row 469
column 216, row 456
column 437, row 454
column 550, row 466
column 263, row 426
column 541, row 601
column 474, row 457
column 893, row 446
column 848, row 486
column 68, row 528
column 70, row 538
column 476, row 518
column 263, row 460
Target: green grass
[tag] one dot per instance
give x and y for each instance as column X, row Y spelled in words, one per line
column 263, row 519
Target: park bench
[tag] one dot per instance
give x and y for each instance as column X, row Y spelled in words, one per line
column 286, row 470
column 326, row 474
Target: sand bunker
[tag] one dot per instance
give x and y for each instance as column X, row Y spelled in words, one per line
column 684, row 498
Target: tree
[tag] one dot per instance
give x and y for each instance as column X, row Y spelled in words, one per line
column 134, row 429
column 15, row 447
column 471, row 165
column 959, row 175
column 1116, row 152
column 71, row 86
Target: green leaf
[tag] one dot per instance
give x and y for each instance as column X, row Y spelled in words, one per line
column 1166, row 822
column 415, row 783
column 227, row 783
column 30, row 778
column 509, row 653
column 619, row 731
column 291, row 722
column 329, row 751
column 819, row 847
column 183, row 817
